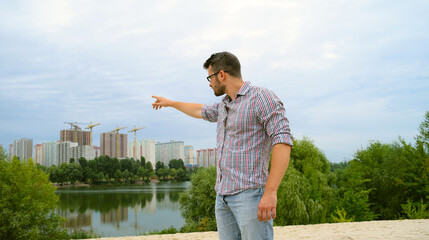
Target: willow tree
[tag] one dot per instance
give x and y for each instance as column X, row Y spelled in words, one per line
column 305, row 195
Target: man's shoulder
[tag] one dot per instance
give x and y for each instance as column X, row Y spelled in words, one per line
column 262, row 91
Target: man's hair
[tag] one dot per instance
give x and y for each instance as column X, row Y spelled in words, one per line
column 225, row 61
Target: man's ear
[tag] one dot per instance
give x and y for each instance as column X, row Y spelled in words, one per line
column 222, row 75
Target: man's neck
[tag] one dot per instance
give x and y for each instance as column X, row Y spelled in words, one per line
column 233, row 89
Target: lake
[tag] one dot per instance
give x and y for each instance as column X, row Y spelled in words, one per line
column 124, row 210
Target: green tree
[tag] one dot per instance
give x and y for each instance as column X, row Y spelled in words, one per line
column 306, row 187
column 163, row 173
column 63, row 173
column 126, row 164
column 75, row 172
column 159, row 165
column 118, row 175
column 141, row 172
column 84, row 164
column 149, row 166
column 176, row 164
column 173, row 173
column 394, row 173
column 197, row 205
column 295, row 205
column 87, row 174
column 181, row 173
column 27, row 202
column 126, row 175
column 423, row 135
column 353, row 195
column 53, row 174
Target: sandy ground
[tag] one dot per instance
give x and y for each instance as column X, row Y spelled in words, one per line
column 391, row 230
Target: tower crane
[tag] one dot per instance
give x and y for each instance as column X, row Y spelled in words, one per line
column 135, row 138
column 90, row 126
column 76, row 128
column 117, row 138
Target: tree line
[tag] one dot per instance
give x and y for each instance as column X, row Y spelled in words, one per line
column 106, row 169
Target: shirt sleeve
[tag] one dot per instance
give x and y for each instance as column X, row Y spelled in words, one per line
column 272, row 115
column 210, row 112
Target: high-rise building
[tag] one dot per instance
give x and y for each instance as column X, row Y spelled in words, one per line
column 22, row 148
column 206, row 157
column 97, row 150
column 108, row 145
column 189, row 155
column 64, row 152
column 69, row 136
column 50, row 153
column 169, row 150
column 38, row 154
column 87, row 152
column 144, row 148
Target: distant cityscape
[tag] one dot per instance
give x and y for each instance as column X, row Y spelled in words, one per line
column 77, row 143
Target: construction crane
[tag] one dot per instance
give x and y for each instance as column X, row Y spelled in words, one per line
column 117, row 138
column 90, row 126
column 135, row 138
column 76, row 128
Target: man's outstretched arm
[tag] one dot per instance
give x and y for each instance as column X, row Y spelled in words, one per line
column 190, row 109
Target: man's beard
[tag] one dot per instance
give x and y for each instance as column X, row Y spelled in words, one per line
column 219, row 89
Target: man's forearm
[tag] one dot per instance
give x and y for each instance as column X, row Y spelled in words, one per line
column 279, row 163
column 190, row 109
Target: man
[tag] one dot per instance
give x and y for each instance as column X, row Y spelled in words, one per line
column 251, row 124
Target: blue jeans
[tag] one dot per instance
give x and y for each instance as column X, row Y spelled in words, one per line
column 237, row 216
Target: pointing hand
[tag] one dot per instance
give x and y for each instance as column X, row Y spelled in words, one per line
column 160, row 102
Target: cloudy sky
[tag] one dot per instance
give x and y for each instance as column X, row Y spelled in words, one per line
column 348, row 72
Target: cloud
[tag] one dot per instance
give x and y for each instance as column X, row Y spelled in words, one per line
column 348, row 72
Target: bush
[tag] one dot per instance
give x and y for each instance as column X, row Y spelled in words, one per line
column 416, row 210
column 27, row 202
column 340, row 216
column 197, row 205
column 170, row 230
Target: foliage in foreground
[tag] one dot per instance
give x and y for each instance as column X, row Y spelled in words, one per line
column 27, row 202
column 170, row 230
column 198, row 203
column 383, row 182
column 305, row 195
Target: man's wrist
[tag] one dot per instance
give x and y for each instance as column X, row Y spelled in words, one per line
column 172, row 103
column 270, row 190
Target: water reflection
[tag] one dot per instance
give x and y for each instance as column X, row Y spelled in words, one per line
column 75, row 220
column 130, row 210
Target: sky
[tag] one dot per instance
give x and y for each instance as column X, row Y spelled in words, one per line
column 348, row 72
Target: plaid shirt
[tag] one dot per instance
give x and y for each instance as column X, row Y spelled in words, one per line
column 247, row 130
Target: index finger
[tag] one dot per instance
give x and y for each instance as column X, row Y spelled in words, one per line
column 274, row 213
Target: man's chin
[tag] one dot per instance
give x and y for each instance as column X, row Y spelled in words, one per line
column 218, row 94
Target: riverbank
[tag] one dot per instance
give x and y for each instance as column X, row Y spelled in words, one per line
column 392, row 230
column 81, row 184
